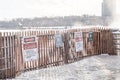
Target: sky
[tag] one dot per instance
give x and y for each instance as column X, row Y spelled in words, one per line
column 118, row 7
column 40, row 8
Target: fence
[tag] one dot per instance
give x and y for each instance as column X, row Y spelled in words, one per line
column 11, row 56
column 116, row 36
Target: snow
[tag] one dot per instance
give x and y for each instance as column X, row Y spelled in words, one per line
column 102, row 67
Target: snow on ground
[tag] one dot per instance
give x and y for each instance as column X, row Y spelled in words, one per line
column 102, row 67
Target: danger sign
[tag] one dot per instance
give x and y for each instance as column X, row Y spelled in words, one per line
column 30, row 48
column 78, row 41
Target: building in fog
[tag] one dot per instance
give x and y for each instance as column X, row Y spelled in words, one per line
column 108, row 8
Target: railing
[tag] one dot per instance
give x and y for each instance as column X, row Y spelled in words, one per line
column 11, row 52
column 117, row 42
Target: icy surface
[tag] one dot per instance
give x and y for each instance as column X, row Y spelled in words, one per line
column 102, row 67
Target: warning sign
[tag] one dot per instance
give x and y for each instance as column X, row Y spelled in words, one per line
column 78, row 41
column 30, row 48
column 58, row 40
column 90, row 36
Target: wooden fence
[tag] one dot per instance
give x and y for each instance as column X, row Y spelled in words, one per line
column 11, row 57
column 116, row 36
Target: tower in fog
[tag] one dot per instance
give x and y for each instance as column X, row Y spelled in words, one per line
column 108, row 8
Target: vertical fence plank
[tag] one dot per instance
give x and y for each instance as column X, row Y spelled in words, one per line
column 2, row 57
column 5, row 55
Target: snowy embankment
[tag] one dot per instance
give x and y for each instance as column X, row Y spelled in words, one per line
column 102, row 67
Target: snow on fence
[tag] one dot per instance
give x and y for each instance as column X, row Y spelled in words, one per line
column 18, row 50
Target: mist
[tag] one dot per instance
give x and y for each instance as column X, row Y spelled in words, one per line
column 115, row 24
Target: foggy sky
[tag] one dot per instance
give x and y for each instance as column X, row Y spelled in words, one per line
column 50, row 8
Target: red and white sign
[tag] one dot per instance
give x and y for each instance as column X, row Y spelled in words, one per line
column 30, row 48
column 78, row 41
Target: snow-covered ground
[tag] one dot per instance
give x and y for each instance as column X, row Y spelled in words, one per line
column 102, row 67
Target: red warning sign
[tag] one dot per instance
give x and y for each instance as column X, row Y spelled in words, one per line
column 30, row 48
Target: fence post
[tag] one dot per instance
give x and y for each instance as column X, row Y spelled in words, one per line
column 66, row 48
column 111, row 45
column 1, row 60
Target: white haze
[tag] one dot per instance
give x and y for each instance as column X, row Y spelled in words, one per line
column 39, row 8
column 10, row 9
column 116, row 22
